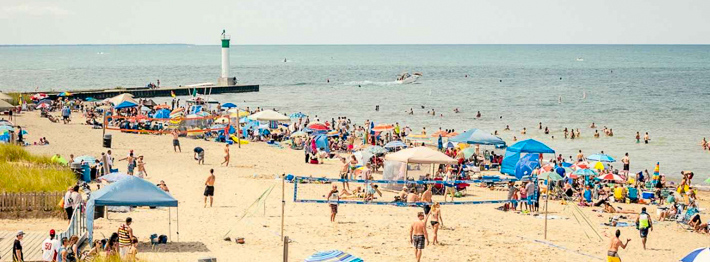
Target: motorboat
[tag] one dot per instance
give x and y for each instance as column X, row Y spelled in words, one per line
column 406, row 78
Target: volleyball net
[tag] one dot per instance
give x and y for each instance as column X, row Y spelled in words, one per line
column 192, row 125
column 375, row 192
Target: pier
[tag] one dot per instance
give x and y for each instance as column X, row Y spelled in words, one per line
column 145, row 92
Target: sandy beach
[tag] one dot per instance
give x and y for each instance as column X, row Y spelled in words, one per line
column 374, row 233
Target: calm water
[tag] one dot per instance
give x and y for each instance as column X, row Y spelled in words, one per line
column 657, row 89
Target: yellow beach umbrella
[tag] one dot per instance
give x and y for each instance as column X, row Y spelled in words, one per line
column 599, row 166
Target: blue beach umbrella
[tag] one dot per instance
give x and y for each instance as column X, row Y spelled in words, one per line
column 87, row 159
column 530, row 146
column 90, row 99
column 228, row 105
column 125, row 104
column 601, row 158
column 700, row 254
column 332, row 256
column 585, row 172
column 478, row 137
column 395, row 144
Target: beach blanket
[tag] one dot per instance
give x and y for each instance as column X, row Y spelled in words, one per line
column 619, row 224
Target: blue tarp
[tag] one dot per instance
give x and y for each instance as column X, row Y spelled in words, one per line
column 509, row 161
column 530, row 146
column 477, row 136
column 131, row 191
column 125, row 104
column 526, row 165
column 229, row 105
column 162, row 113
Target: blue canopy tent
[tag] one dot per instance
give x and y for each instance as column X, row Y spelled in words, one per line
column 512, row 154
column 162, row 114
column 125, row 104
column 131, row 191
column 477, row 137
column 526, row 165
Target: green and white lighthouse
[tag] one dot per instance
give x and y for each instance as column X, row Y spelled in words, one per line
column 224, row 79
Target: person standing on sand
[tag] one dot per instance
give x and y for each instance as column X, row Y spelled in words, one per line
column 333, row 197
column 125, row 234
column 199, row 155
column 436, row 221
column 141, row 167
column 209, row 187
column 344, row 172
column 417, row 235
column 176, row 142
column 643, row 224
column 226, row 155
column 426, row 198
column 613, row 254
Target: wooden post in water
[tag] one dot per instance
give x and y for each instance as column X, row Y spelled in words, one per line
column 285, row 249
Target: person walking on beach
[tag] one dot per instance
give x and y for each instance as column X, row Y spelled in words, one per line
column 613, row 254
column 131, row 162
column 176, row 142
column 209, row 187
column 69, row 202
column 226, row 155
column 333, row 197
column 199, row 155
column 125, row 234
column 418, row 234
column 436, row 221
column 141, row 167
column 643, row 224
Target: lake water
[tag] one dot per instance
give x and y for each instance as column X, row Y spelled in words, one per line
column 657, row 89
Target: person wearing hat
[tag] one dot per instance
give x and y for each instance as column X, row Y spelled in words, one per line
column 50, row 247
column 17, row 254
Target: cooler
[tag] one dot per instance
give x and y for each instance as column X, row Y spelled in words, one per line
column 647, row 195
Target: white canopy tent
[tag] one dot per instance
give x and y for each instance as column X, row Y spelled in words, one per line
column 269, row 115
column 122, row 98
column 397, row 164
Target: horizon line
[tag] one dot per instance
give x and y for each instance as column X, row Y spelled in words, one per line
column 185, row 44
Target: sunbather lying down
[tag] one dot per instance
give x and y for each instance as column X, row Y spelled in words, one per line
column 608, row 208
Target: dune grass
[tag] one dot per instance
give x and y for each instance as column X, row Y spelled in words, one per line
column 21, row 171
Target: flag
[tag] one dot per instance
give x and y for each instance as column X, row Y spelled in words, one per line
column 172, row 93
column 656, row 172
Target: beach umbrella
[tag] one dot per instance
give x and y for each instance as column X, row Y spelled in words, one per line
column 610, row 177
column 395, row 144
column 698, row 255
column 585, row 172
column 65, row 94
column 452, row 134
column 113, row 177
column 332, row 256
column 125, row 104
column 24, row 132
column 42, row 105
column 299, row 134
column 383, row 127
column 297, row 115
column 162, row 106
column 222, row 120
column 269, row 115
column 4, row 122
column 5, row 97
column 116, row 100
column 599, row 166
column 656, row 171
column 4, row 106
column 549, row 175
column 449, row 145
column 228, row 105
column 530, row 146
column 87, row 159
column 333, row 133
column 601, row 158
column 4, row 128
column 376, row 150
column 315, row 126
column 581, row 165
column 439, row 133
column 478, row 137
column 39, row 96
column 469, row 151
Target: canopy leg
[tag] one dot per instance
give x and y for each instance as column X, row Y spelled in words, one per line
column 170, row 226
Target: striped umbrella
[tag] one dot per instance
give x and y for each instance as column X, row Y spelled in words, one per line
column 656, row 171
column 610, row 177
column 585, row 172
column 317, row 126
column 384, row 127
column 332, row 256
column 601, row 158
column 700, row 254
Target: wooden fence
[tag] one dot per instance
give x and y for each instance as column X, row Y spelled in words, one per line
column 30, row 202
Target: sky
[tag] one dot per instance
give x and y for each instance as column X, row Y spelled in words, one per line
column 355, row 22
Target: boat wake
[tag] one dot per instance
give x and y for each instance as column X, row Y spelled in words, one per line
column 372, row 83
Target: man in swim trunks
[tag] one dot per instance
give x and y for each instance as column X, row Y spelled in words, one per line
column 644, row 223
column 334, row 197
column 176, row 142
column 613, row 254
column 199, row 155
column 426, row 197
column 209, row 187
column 417, row 235
column 625, row 161
column 344, row 172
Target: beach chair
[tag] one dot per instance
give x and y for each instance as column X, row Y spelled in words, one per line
column 687, row 216
column 438, row 189
column 633, row 194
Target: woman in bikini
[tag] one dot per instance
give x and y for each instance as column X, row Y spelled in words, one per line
column 436, row 220
column 353, row 166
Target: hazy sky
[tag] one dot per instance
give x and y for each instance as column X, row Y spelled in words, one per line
column 355, row 21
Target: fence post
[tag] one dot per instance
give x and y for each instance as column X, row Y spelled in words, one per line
column 285, row 248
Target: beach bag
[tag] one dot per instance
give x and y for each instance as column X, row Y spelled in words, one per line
column 162, row 239
column 61, row 203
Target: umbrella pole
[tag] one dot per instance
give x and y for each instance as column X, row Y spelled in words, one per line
column 283, row 206
column 239, row 133
column 104, row 125
column 170, row 225
column 546, row 201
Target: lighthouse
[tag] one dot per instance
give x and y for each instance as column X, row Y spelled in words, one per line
column 224, row 79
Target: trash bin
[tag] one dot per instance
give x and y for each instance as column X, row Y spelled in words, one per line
column 107, row 140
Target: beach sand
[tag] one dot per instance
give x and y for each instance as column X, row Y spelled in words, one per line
column 374, row 233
